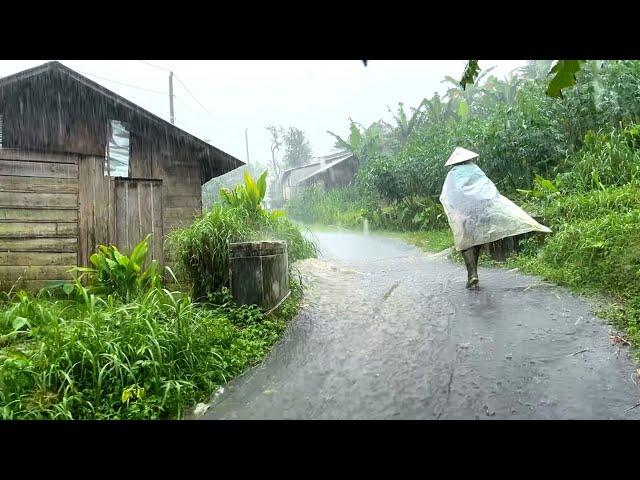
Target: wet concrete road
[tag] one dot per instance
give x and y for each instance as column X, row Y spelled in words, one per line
column 389, row 332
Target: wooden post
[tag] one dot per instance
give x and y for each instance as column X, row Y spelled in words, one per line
column 171, row 97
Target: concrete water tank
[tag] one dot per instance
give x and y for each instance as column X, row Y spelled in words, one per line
column 259, row 273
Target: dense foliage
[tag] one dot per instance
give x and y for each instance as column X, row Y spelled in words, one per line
column 594, row 210
column 79, row 354
column 202, row 249
column 572, row 159
column 518, row 130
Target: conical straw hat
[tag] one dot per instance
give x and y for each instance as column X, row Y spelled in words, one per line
column 460, row 155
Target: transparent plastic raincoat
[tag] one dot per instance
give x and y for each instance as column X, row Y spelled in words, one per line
column 477, row 212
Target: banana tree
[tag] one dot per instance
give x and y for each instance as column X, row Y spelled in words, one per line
column 406, row 126
column 536, row 69
column 465, row 96
column 364, row 142
column 438, row 111
column 563, row 71
column 503, row 91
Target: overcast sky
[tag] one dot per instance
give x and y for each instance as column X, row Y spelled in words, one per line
column 314, row 96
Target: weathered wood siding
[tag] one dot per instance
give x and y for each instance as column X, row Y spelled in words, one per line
column 177, row 165
column 138, row 213
column 38, row 217
column 181, row 183
column 95, row 215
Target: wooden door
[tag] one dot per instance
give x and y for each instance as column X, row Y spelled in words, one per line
column 137, row 213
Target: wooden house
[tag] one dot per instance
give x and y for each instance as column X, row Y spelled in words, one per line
column 82, row 166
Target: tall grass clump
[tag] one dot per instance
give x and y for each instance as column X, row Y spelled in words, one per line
column 149, row 358
column 202, row 249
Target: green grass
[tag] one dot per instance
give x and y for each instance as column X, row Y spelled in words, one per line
column 116, row 344
column 595, row 249
column 150, row 358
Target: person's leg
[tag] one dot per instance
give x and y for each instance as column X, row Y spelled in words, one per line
column 476, row 253
column 469, row 256
column 477, row 250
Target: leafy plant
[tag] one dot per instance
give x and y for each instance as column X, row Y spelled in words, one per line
column 149, row 358
column 564, row 72
column 122, row 275
column 250, row 195
column 564, row 75
column 202, row 249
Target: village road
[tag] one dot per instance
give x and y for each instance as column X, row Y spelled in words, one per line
column 389, row 332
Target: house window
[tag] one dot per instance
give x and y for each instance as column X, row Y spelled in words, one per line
column 117, row 153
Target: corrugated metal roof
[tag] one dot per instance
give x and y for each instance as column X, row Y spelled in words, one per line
column 330, row 161
column 319, row 164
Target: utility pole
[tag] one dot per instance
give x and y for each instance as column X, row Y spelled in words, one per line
column 246, row 139
column 171, row 97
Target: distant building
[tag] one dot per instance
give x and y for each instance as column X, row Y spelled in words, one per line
column 330, row 171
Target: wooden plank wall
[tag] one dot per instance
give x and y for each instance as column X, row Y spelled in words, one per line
column 95, row 218
column 137, row 213
column 182, row 190
column 180, row 172
column 38, row 218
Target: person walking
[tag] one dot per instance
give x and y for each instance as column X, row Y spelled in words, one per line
column 477, row 213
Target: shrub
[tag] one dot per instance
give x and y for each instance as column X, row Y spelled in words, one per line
column 148, row 358
column 121, row 275
column 202, row 249
column 606, row 159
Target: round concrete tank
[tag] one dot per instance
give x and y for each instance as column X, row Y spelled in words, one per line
column 259, row 273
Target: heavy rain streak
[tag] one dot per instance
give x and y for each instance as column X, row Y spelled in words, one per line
column 319, row 239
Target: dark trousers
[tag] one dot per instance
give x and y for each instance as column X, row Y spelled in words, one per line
column 471, row 256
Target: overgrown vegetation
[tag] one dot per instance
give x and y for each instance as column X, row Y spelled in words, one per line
column 115, row 344
column 202, row 249
column 572, row 159
column 594, row 209
column 101, row 358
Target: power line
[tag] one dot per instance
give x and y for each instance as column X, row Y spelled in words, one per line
column 122, row 83
column 192, row 95
column 155, row 66
column 153, row 91
column 181, row 83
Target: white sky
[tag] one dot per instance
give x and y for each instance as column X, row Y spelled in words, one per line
column 314, row 96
